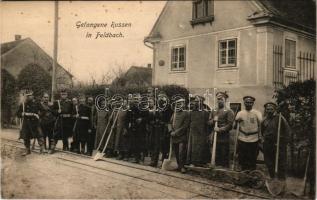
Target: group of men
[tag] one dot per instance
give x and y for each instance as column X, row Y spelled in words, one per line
column 132, row 129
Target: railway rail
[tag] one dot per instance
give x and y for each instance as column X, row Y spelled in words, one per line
column 181, row 177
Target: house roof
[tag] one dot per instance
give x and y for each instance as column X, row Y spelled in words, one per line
column 298, row 13
column 5, row 47
column 136, row 75
column 10, row 47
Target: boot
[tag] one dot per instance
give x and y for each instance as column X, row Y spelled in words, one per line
column 52, row 150
column 42, row 149
column 27, row 152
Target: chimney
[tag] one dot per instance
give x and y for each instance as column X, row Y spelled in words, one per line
column 17, row 37
column 149, row 65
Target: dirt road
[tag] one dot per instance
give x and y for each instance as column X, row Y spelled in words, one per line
column 69, row 176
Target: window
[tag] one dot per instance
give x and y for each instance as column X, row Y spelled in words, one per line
column 228, row 53
column 178, row 61
column 202, row 11
column 290, row 54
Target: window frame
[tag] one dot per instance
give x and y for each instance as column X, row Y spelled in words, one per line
column 290, row 67
column 227, row 64
column 178, row 69
column 207, row 12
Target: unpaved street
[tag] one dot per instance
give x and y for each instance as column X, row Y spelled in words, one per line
column 70, row 176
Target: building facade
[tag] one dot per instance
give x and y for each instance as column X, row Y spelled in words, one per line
column 242, row 47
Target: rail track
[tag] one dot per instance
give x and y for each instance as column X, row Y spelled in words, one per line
column 181, row 177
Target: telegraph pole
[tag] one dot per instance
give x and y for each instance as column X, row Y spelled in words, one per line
column 55, row 50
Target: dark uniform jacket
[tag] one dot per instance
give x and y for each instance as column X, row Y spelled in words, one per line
column 31, row 123
column 83, row 123
column 225, row 123
column 64, row 126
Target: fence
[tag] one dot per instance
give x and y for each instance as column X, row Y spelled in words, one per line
column 283, row 76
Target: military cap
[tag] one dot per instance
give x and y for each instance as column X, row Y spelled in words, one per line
column 28, row 92
column 222, row 94
column 270, row 103
column 250, row 98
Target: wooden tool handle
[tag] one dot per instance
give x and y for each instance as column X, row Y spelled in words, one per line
column 278, row 143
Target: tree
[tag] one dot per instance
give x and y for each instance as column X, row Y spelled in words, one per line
column 8, row 96
column 297, row 104
column 34, row 77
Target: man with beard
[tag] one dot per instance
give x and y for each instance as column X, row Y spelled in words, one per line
column 249, row 130
column 64, row 126
column 269, row 129
column 29, row 112
column 225, row 118
column 47, row 120
column 158, row 121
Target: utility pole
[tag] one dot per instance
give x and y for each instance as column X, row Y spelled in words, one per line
column 55, row 50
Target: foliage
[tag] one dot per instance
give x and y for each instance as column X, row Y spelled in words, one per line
column 34, row 77
column 8, row 96
column 297, row 103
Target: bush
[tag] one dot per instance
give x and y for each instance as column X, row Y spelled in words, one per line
column 297, row 104
column 34, row 77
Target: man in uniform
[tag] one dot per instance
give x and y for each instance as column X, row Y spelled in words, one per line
column 179, row 123
column 64, row 126
column 158, row 120
column 249, row 130
column 225, row 118
column 82, row 128
column 29, row 112
column 269, row 129
column 47, row 119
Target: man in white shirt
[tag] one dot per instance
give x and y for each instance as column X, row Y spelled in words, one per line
column 249, row 130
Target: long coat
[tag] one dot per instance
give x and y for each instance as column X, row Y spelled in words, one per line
column 121, row 129
column 180, row 124
column 198, row 137
column 83, row 123
column 102, row 120
column 47, row 119
column 31, row 124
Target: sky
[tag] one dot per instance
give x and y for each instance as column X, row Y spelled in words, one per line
column 85, row 58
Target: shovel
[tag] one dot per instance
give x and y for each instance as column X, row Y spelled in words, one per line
column 103, row 135
column 167, row 163
column 100, row 155
column 275, row 186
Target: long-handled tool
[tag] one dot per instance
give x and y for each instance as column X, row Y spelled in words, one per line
column 99, row 155
column 214, row 144
column 235, row 148
column 275, row 186
column 75, row 124
column 167, row 163
column 103, row 135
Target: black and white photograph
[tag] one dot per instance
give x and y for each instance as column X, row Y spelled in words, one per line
column 179, row 99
